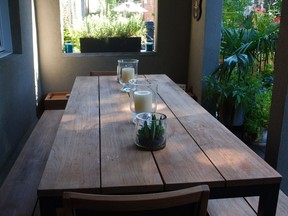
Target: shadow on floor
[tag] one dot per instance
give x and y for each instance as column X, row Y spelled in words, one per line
column 258, row 146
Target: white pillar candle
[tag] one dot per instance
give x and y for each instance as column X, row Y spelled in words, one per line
column 143, row 101
column 127, row 74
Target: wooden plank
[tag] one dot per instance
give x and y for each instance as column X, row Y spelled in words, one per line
column 282, row 206
column 124, row 168
column 18, row 193
column 228, row 207
column 56, row 100
column 182, row 163
column 78, row 135
column 237, row 163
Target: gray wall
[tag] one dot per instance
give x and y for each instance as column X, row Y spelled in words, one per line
column 17, row 105
column 58, row 70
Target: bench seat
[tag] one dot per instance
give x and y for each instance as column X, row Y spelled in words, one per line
column 244, row 206
column 282, row 206
column 18, row 193
column 230, row 206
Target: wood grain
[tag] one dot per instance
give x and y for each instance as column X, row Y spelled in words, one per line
column 237, row 163
column 74, row 161
column 94, row 149
column 282, row 206
column 230, row 206
column 18, row 193
column 124, row 168
column 182, row 163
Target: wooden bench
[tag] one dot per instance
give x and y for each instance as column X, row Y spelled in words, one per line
column 18, row 193
column 244, row 206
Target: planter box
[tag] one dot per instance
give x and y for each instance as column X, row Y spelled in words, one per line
column 117, row 44
column 56, row 100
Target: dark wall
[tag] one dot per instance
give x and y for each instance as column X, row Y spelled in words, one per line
column 58, row 70
column 17, row 105
column 277, row 140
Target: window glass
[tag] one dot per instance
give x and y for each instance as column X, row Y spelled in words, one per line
column 103, row 19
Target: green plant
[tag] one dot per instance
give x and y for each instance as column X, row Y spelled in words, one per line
column 238, row 78
column 67, row 36
column 232, row 14
column 232, row 95
column 242, row 13
column 152, row 130
column 102, row 27
column 244, row 77
column 257, row 118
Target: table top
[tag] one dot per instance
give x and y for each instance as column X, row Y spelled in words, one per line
column 94, row 149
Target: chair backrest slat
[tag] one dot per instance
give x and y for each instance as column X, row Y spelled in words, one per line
column 138, row 202
column 103, row 73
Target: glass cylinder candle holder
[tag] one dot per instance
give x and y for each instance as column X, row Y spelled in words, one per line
column 143, row 96
column 127, row 69
column 151, row 130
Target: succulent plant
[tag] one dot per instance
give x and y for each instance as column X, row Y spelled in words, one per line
column 152, row 131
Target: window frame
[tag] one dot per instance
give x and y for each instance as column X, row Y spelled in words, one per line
column 5, row 28
column 86, row 9
column 2, row 48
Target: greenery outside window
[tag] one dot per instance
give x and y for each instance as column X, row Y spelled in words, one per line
column 107, row 21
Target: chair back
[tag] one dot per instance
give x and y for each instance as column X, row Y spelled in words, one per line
column 138, row 203
column 103, row 73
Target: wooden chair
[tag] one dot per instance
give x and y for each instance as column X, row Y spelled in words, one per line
column 103, row 73
column 136, row 204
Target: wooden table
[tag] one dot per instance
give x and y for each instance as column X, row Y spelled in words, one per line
column 94, row 150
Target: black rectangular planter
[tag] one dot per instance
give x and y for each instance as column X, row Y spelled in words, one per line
column 113, row 44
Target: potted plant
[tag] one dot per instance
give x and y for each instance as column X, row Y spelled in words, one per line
column 233, row 96
column 151, row 131
column 257, row 117
column 111, row 34
column 68, row 45
column 247, row 48
column 235, row 83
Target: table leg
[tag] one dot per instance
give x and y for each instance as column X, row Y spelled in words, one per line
column 268, row 200
column 48, row 205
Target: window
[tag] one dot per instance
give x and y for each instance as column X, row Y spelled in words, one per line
column 104, row 19
column 5, row 31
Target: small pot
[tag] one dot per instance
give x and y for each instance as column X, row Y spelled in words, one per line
column 151, row 130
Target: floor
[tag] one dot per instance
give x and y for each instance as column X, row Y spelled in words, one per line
column 258, row 146
column 259, row 149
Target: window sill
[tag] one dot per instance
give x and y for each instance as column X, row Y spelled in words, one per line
column 4, row 54
column 110, row 54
